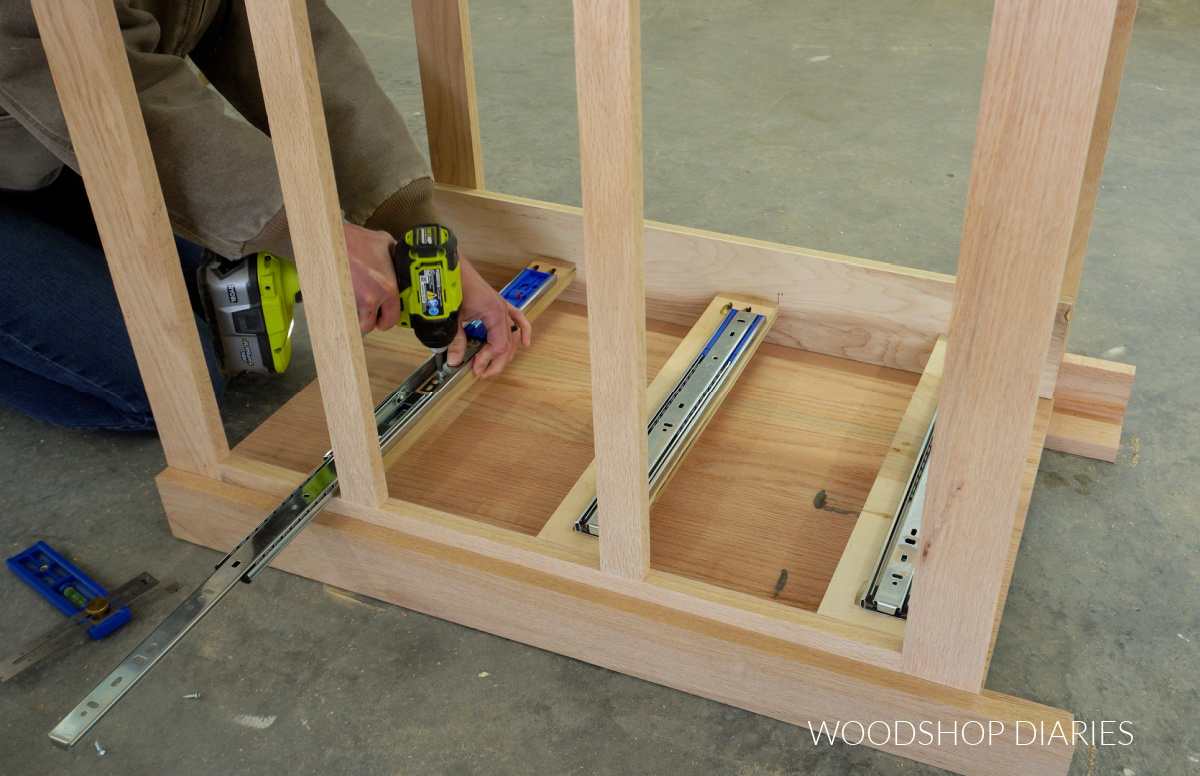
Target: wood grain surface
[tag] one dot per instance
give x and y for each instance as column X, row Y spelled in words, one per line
column 875, row 520
column 288, row 72
column 739, row 510
column 608, row 79
column 1089, row 407
column 865, row 310
column 868, row 311
column 443, row 35
column 691, row 653
column 95, row 88
column 1114, row 69
column 1041, row 85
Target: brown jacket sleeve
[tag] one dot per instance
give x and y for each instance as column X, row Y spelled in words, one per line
column 382, row 178
column 217, row 172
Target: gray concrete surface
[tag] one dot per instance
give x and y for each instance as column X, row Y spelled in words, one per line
column 844, row 126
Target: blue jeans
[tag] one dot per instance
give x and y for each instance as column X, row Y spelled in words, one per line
column 65, row 356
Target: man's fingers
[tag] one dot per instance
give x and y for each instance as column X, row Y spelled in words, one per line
column 523, row 324
column 491, row 365
column 482, row 359
column 389, row 313
column 454, row 353
column 497, row 325
column 498, row 364
column 366, row 320
column 497, row 358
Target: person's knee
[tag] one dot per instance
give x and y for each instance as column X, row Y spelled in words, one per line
column 40, row 396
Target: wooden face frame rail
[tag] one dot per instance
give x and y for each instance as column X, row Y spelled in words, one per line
column 1050, row 86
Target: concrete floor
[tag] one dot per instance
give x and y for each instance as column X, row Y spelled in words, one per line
column 841, row 125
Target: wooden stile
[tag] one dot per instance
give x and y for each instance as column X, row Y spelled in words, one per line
column 95, row 88
column 1114, row 68
column 608, row 78
column 448, row 87
column 1041, row 85
column 288, row 72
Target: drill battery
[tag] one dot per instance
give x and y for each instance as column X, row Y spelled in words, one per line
column 248, row 305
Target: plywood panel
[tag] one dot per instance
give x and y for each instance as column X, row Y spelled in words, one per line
column 743, row 508
column 532, row 422
column 739, row 510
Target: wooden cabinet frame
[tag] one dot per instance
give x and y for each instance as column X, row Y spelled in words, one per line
column 1002, row 381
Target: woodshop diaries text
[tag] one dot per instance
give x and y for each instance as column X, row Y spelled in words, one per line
column 1107, row 732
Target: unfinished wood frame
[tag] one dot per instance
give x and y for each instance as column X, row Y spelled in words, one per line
column 443, row 31
column 851, row 363
column 1114, row 68
column 608, row 74
column 1035, row 126
column 95, row 89
column 288, row 72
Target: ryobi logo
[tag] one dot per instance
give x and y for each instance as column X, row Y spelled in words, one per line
column 232, row 293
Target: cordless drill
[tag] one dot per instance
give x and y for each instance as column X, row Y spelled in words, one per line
column 430, row 283
column 248, row 302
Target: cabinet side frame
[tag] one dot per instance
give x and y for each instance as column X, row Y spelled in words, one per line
column 610, row 116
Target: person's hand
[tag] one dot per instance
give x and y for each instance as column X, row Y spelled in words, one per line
column 375, row 293
column 481, row 302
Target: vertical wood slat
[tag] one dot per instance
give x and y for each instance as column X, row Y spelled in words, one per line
column 288, row 72
column 1041, row 87
column 1114, row 68
column 608, row 80
column 448, row 89
column 95, row 88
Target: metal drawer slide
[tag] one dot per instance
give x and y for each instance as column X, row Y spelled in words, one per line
column 677, row 423
column 394, row 417
column 888, row 589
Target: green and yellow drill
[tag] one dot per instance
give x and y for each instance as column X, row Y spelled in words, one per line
column 249, row 302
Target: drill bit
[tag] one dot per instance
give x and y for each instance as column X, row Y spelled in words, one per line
column 439, row 360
